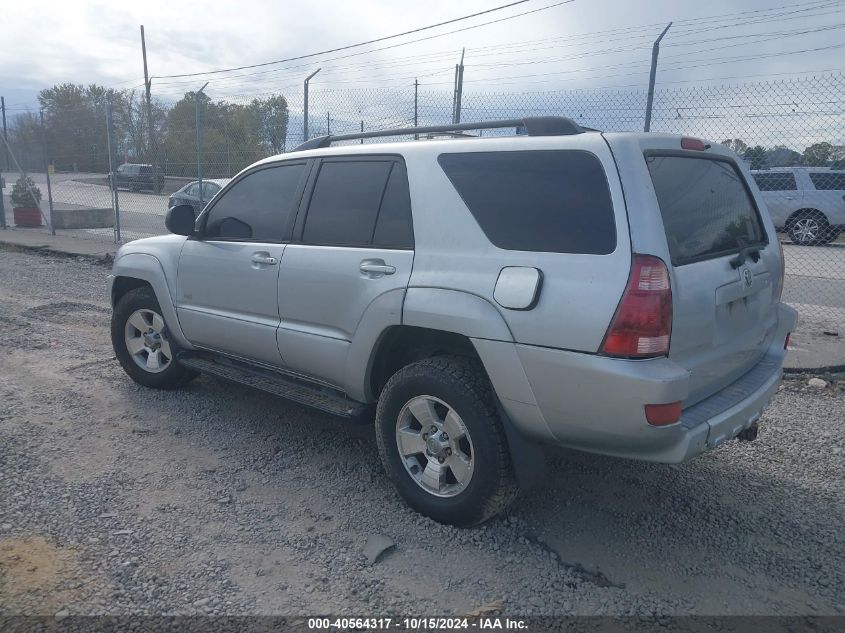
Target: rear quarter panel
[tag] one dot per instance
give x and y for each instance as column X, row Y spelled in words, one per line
column 580, row 292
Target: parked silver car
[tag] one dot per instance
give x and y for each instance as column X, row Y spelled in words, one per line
column 617, row 293
column 807, row 202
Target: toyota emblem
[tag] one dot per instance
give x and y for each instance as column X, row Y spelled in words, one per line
column 748, row 277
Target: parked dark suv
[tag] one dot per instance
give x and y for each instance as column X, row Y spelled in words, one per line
column 140, row 177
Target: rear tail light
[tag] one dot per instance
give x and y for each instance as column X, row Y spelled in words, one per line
column 663, row 414
column 643, row 321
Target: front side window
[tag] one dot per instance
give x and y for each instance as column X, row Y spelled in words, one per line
column 555, row 201
column 346, row 201
column 776, row 181
column 828, row 181
column 259, row 207
column 707, row 210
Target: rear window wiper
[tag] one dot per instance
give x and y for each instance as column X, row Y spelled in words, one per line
column 748, row 251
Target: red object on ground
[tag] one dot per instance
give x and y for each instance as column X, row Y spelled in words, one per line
column 27, row 216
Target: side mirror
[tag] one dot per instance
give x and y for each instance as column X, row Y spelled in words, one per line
column 180, row 220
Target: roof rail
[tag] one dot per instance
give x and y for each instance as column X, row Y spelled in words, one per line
column 533, row 126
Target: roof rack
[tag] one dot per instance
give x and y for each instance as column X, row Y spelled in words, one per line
column 533, row 126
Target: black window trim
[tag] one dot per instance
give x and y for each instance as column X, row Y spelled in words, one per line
column 300, row 189
column 537, row 151
column 831, row 172
column 724, row 159
column 788, row 174
column 302, row 215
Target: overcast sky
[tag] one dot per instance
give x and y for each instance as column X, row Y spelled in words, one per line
column 580, row 44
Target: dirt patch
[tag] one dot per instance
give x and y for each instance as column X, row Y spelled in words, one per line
column 70, row 313
column 37, row 577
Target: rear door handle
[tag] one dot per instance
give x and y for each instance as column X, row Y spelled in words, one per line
column 264, row 258
column 376, row 268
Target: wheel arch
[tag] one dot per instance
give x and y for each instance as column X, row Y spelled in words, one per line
column 804, row 211
column 137, row 270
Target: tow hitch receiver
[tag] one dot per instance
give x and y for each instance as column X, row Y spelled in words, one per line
column 749, row 434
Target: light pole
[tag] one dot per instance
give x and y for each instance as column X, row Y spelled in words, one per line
column 199, row 138
column 305, row 106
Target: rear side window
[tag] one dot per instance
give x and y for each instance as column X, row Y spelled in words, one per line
column 554, row 201
column 828, row 181
column 776, row 181
column 707, row 209
column 258, row 207
column 360, row 203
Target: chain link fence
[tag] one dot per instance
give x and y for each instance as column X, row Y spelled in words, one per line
column 110, row 167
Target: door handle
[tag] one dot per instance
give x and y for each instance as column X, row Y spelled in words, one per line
column 264, row 258
column 376, row 268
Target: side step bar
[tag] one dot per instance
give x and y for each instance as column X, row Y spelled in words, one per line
column 276, row 383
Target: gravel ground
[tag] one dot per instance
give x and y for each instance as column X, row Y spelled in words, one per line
column 218, row 499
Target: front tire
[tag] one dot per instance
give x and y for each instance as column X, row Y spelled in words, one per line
column 442, row 443
column 141, row 342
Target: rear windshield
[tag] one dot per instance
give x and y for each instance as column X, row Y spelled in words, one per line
column 706, row 208
column 554, row 201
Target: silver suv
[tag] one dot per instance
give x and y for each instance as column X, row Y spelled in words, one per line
column 807, row 202
column 613, row 293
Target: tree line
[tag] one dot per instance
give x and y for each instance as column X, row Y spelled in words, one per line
column 816, row 155
column 76, row 138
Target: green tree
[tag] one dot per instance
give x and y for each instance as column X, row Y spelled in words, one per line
column 271, row 116
column 75, row 120
column 818, row 154
column 756, row 157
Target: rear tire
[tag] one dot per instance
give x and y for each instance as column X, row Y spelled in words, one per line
column 142, row 345
column 461, row 480
column 811, row 228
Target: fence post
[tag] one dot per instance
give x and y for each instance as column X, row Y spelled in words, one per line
column 651, row 78
column 199, row 138
column 47, row 173
column 2, row 202
column 416, row 97
column 5, row 135
column 305, row 105
column 112, row 175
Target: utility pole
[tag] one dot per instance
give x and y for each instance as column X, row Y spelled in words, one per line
column 416, row 104
column 651, row 78
column 362, row 130
column 147, row 82
column 199, row 138
column 460, row 88
column 5, row 135
column 305, row 106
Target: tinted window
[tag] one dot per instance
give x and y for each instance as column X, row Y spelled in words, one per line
column 209, row 189
column 776, row 181
column 257, row 207
column 345, row 202
column 393, row 227
column 829, row 181
column 552, row 201
column 706, row 209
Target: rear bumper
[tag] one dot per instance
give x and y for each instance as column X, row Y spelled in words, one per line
column 596, row 404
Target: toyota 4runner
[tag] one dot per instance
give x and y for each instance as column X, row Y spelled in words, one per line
column 617, row 293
